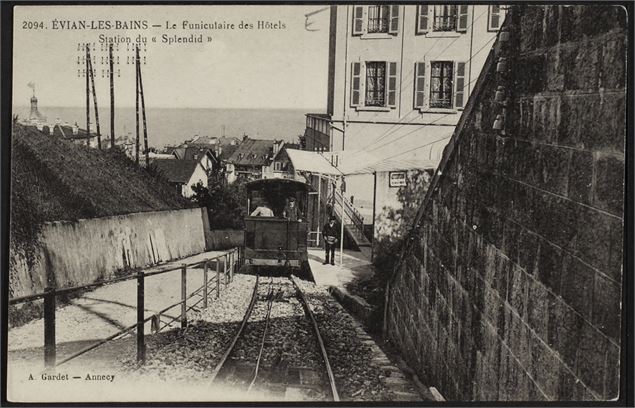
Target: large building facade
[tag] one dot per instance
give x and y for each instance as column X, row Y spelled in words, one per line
column 409, row 66
column 399, row 78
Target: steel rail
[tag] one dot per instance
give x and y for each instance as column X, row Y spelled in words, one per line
column 316, row 330
column 264, row 334
column 239, row 333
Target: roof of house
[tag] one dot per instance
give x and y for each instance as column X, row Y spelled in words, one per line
column 253, row 152
column 211, row 141
column 66, row 131
column 227, row 151
column 228, row 140
column 200, row 141
column 192, row 152
column 286, row 146
column 176, row 171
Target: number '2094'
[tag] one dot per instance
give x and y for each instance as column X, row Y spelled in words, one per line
column 32, row 25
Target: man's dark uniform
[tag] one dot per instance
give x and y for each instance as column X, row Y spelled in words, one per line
column 330, row 234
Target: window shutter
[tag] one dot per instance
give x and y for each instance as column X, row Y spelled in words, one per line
column 462, row 18
column 393, row 28
column 391, row 70
column 356, row 84
column 420, row 78
column 422, row 19
column 460, row 93
column 358, row 20
column 494, row 17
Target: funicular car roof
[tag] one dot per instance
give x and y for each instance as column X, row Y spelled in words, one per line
column 278, row 183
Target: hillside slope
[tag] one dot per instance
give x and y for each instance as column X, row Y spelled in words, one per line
column 52, row 179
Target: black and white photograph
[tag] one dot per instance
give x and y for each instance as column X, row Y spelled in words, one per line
column 317, row 203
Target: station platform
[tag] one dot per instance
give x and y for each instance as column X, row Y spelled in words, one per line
column 355, row 265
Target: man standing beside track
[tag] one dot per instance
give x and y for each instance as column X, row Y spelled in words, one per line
column 330, row 233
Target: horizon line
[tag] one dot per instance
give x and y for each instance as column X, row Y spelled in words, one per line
column 308, row 109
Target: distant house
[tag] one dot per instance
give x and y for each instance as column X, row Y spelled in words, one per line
column 281, row 166
column 203, row 154
column 73, row 134
column 182, row 174
column 251, row 159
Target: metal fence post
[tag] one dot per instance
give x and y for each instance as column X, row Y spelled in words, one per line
column 205, row 284
column 217, row 278
column 141, row 346
column 225, row 268
column 49, row 328
column 232, row 266
column 183, row 297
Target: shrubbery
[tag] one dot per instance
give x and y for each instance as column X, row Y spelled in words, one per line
column 225, row 203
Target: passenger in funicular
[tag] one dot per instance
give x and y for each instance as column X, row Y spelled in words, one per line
column 291, row 212
column 262, row 210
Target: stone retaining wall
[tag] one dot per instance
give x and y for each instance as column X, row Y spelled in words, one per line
column 510, row 287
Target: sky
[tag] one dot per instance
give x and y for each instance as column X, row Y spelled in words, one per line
column 284, row 67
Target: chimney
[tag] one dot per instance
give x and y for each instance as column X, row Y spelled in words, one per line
column 245, row 137
column 75, row 128
column 277, row 144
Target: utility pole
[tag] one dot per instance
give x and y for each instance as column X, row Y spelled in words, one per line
column 112, row 99
column 342, row 189
column 143, row 110
column 137, row 104
column 87, row 95
column 92, row 81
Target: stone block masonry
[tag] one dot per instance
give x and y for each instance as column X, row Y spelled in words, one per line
column 511, row 286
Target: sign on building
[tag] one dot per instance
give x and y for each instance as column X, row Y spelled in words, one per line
column 397, row 179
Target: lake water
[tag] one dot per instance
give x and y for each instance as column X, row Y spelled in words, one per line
column 173, row 126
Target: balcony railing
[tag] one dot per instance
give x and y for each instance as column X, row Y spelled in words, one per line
column 445, row 23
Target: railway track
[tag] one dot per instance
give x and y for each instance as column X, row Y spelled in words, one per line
column 278, row 348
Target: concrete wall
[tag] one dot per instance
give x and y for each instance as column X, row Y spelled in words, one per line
column 224, row 239
column 81, row 252
column 510, row 288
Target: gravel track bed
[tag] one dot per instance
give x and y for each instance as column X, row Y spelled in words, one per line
column 290, row 339
column 195, row 351
column 357, row 377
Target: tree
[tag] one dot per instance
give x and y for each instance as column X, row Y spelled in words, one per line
column 226, row 204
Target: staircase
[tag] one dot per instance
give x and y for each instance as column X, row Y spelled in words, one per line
column 353, row 223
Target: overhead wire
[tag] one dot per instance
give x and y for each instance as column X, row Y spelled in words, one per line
column 410, row 79
column 434, row 121
column 394, row 128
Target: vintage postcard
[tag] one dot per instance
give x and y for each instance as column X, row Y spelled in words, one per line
column 373, row 203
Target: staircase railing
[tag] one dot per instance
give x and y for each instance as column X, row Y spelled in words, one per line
column 351, row 214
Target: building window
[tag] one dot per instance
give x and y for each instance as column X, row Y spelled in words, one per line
column 444, row 18
column 379, row 90
column 378, row 18
column 441, row 78
column 277, row 166
column 494, row 20
column 375, row 83
column 375, row 20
